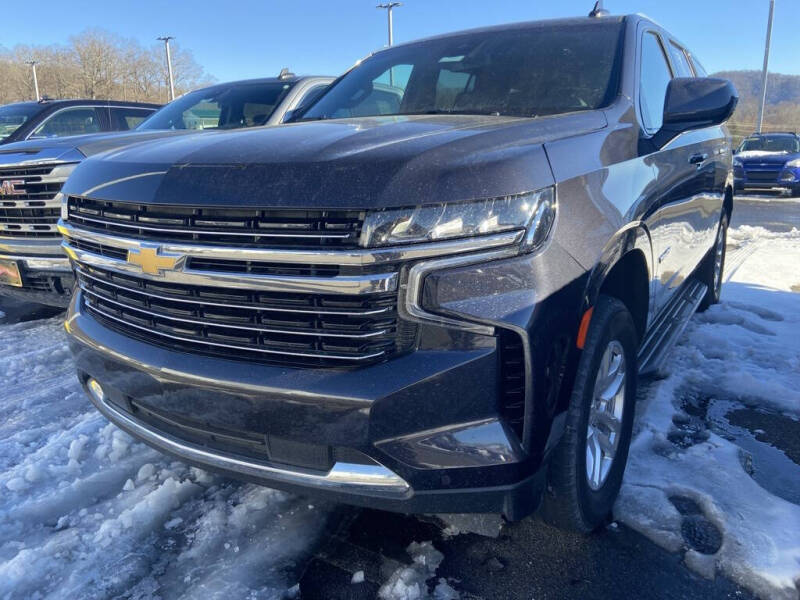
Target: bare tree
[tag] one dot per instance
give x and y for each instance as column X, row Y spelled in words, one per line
column 97, row 64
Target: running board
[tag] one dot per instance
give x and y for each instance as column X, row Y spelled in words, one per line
column 669, row 326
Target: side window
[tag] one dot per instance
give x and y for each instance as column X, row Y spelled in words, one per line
column 70, row 121
column 123, row 119
column 385, row 97
column 450, row 86
column 654, row 78
column 679, row 61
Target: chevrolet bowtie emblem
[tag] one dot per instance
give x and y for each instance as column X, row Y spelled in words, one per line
column 151, row 261
column 9, row 187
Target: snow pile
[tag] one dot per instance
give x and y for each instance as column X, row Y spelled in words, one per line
column 410, row 583
column 87, row 512
column 748, row 349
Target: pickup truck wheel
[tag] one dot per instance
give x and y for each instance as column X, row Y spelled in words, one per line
column 585, row 471
column 714, row 266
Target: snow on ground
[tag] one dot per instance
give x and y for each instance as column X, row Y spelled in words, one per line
column 746, row 351
column 86, row 512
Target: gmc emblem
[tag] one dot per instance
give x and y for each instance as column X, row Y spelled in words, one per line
column 9, row 187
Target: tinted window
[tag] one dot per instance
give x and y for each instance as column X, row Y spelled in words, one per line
column 69, row 121
column 771, row 143
column 521, row 72
column 13, row 116
column 654, row 78
column 124, row 119
column 698, row 68
column 679, row 61
column 223, row 107
column 311, row 95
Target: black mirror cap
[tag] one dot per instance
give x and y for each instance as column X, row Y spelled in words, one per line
column 694, row 103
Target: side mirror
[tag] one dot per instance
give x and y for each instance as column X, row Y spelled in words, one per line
column 695, row 103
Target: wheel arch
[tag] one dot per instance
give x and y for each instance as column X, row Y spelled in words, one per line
column 625, row 271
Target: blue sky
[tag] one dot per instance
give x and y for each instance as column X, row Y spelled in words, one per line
column 249, row 38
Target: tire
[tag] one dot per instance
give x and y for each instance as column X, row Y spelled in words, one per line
column 713, row 266
column 576, row 500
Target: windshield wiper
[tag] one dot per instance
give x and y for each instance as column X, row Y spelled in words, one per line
column 440, row 111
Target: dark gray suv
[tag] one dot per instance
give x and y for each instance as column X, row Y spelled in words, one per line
column 432, row 292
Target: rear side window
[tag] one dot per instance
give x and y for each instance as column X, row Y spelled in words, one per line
column 653, row 81
column 123, row 119
column 679, row 61
column 70, row 121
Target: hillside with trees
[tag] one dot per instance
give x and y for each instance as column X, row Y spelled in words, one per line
column 97, row 64
column 782, row 111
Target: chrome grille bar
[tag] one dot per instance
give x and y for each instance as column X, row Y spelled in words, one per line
column 362, row 257
column 325, row 356
column 361, row 284
column 159, row 315
column 316, row 311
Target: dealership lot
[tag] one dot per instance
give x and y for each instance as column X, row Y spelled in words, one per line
column 87, row 512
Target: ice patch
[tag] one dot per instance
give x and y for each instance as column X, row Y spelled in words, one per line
column 410, row 582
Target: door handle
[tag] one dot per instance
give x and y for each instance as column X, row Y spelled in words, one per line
column 697, row 159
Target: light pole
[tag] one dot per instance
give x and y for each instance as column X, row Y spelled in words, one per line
column 32, row 63
column 760, row 122
column 166, row 39
column 389, row 6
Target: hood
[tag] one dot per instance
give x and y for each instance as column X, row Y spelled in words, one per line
column 75, row 148
column 766, row 158
column 373, row 162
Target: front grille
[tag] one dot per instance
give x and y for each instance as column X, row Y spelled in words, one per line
column 31, row 213
column 243, row 227
column 312, row 330
column 765, row 175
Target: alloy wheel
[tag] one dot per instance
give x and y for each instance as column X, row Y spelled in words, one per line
column 605, row 415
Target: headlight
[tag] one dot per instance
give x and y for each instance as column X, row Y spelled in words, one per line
column 737, row 162
column 793, row 164
column 533, row 212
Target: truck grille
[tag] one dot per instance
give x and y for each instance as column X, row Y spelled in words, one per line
column 246, row 227
column 33, row 213
column 311, row 330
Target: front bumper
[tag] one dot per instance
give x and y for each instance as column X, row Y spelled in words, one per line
column 46, row 274
column 419, row 433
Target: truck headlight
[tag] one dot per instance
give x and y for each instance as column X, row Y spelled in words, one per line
column 793, row 164
column 533, row 212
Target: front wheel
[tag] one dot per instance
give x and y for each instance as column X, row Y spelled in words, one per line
column 585, row 471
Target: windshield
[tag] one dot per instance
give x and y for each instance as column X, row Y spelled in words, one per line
column 13, row 116
column 771, row 143
column 524, row 72
column 222, row 107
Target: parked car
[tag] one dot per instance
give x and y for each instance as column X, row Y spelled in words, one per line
column 768, row 162
column 436, row 305
column 32, row 265
column 61, row 118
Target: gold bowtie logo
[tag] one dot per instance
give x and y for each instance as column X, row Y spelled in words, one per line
column 151, row 262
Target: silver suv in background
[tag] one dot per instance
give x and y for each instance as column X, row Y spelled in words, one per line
column 32, row 265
